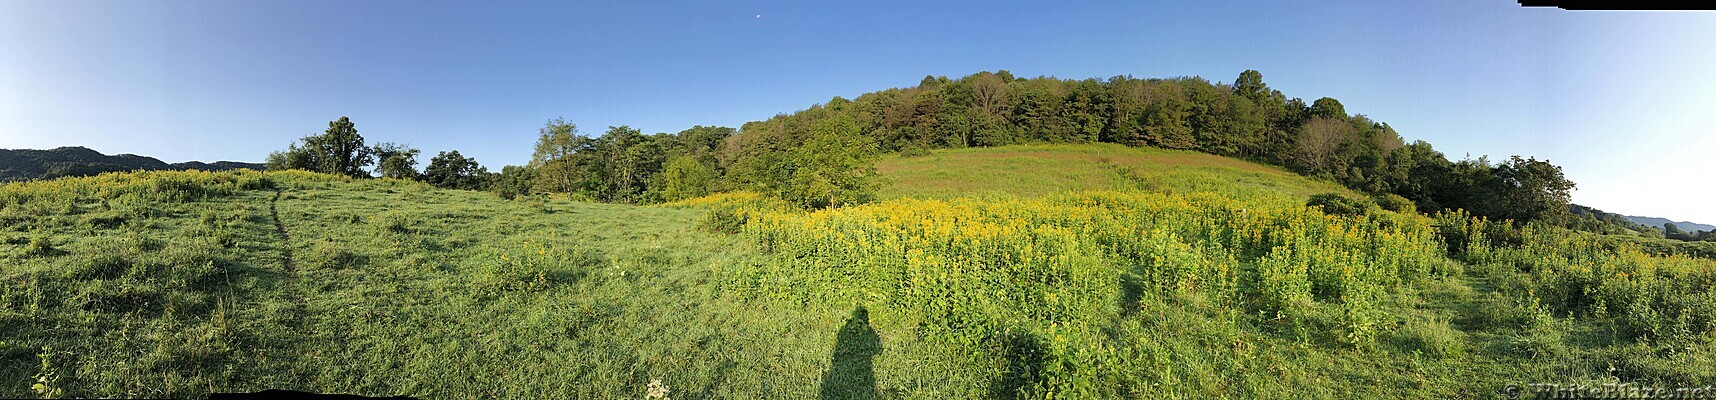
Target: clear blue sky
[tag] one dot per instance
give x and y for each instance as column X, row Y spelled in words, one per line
column 1625, row 101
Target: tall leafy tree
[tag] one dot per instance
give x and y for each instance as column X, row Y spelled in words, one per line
column 684, row 177
column 1250, row 85
column 564, row 160
column 1166, row 121
column 835, row 166
column 1328, row 107
column 513, row 181
column 1530, row 190
column 451, row 170
column 395, row 160
column 630, row 158
column 340, row 149
column 703, row 141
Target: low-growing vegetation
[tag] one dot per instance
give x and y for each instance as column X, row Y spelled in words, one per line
column 181, row 283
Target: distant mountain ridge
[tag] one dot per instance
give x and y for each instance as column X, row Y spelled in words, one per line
column 1655, row 222
column 26, row 164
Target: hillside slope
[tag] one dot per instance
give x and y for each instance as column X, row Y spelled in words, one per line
column 173, row 284
column 24, row 164
column 1037, row 170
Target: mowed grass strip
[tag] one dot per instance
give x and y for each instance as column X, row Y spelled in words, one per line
column 1039, row 170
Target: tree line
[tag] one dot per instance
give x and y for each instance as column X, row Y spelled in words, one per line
column 825, row 155
column 340, row 150
column 1245, row 119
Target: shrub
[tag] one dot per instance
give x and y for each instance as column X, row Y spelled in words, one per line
column 1431, row 336
column 727, row 219
column 914, row 151
column 1395, row 203
column 1337, row 204
column 1541, row 335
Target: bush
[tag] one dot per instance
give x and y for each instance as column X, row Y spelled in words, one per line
column 727, row 219
column 1337, row 204
column 1541, row 336
column 1432, row 337
column 914, row 151
column 1395, row 203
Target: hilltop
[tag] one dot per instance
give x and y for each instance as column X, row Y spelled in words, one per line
column 25, row 164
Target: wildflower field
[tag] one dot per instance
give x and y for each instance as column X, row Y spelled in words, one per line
column 178, row 284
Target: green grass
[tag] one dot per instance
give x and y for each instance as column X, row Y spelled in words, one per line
column 176, row 284
column 1038, row 170
column 387, row 287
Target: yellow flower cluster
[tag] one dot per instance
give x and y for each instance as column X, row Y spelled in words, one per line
column 1050, row 260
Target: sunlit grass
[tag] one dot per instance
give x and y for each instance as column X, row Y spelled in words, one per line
column 1039, row 170
column 181, row 283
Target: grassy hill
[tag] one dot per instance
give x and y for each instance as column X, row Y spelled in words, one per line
column 1080, row 271
column 1037, row 170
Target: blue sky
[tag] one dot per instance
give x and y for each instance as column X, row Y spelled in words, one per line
column 1622, row 100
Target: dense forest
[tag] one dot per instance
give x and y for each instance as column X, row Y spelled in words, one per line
column 824, row 155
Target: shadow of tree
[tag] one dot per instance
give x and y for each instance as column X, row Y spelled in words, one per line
column 852, row 374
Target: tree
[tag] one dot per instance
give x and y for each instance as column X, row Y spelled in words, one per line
column 1529, row 190
column 684, row 177
column 1250, row 85
column 1037, row 110
column 339, row 150
column 703, row 141
column 291, row 158
column 396, row 160
column 1328, row 107
column 513, row 181
column 1087, row 111
column 1317, row 144
column 631, row 158
column 1669, row 230
column 451, row 170
column 562, row 159
column 835, row 166
column 1166, row 121
column 989, row 94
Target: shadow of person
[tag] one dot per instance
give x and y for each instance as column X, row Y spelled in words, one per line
column 852, row 374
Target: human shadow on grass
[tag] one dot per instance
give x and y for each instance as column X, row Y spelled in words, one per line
column 852, row 374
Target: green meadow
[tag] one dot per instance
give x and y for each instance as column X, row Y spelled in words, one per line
column 1087, row 271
